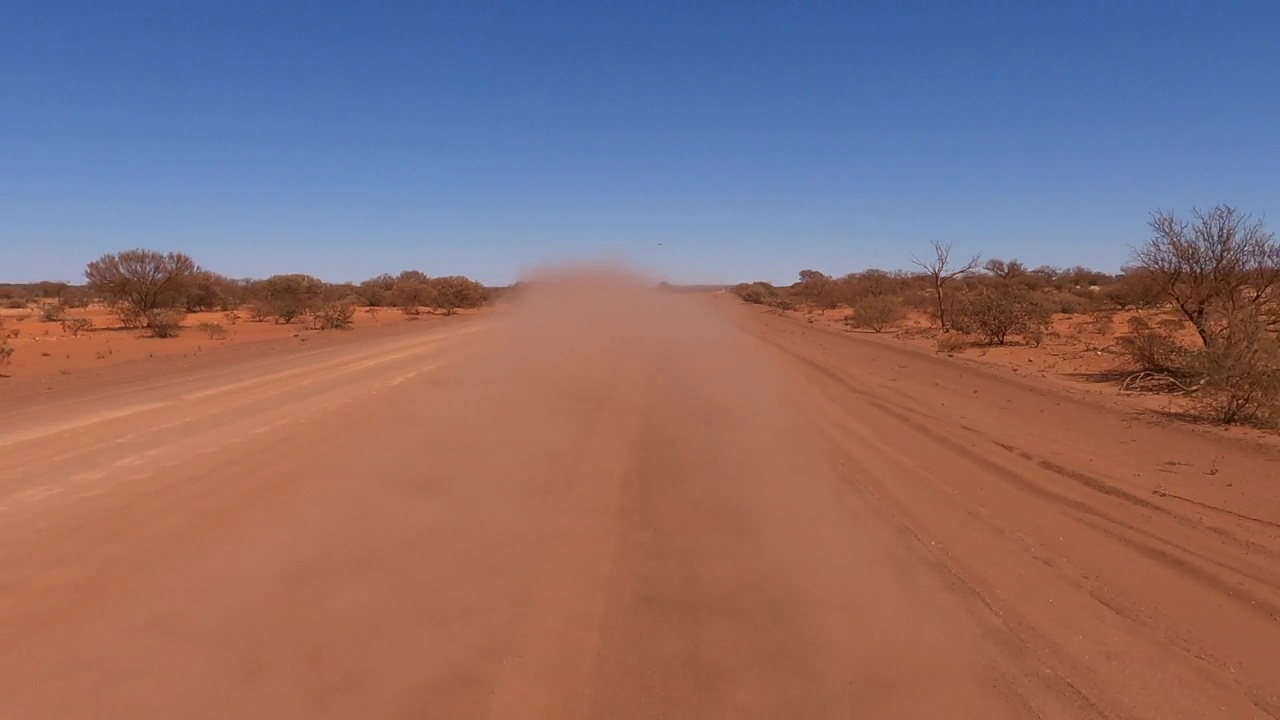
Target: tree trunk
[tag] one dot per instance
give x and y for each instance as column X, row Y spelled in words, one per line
column 942, row 308
column 1196, row 316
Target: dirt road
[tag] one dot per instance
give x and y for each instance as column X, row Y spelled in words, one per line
column 610, row 504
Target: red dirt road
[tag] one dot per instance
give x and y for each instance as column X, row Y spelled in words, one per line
column 612, row 504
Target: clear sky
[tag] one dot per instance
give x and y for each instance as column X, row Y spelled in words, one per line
column 716, row 141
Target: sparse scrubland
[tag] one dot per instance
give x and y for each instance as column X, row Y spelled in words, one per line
column 152, row 294
column 1194, row 315
column 1200, row 302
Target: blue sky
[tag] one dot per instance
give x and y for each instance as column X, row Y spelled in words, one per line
column 750, row 139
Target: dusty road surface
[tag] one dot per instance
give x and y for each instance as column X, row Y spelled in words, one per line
column 609, row 503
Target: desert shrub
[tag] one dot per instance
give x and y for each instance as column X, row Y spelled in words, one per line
column 77, row 298
column 260, row 311
column 782, row 304
column 141, row 280
column 231, row 317
column 1221, row 259
column 75, row 326
column 1234, row 379
column 817, row 289
column 951, row 343
column 1154, row 349
column 920, row 302
column 206, row 291
column 333, row 316
column 129, row 316
column 1067, row 303
column 1135, row 288
column 164, row 322
column 1240, row 372
column 375, row 292
column 410, row 291
column 292, row 296
column 1081, row 277
column 1102, row 315
column 50, row 289
column 454, row 292
column 214, row 330
column 51, row 312
column 871, row 283
column 876, row 313
column 753, row 294
column 1103, row 321
column 1034, row 336
column 998, row 313
column 15, row 303
column 756, row 293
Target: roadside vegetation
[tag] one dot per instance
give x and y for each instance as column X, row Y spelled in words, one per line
column 155, row 293
column 1201, row 298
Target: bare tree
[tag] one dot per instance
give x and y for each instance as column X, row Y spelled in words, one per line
column 941, row 271
column 1005, row 270
column 140, row 281
column 1218, row 262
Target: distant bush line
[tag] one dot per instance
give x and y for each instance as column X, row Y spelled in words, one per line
column 1217, row 272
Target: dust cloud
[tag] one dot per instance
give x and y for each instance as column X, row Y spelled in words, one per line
column 589, row 331
column 649, row 483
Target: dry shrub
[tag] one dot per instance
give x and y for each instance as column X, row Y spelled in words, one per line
column 1103, row 321
column 782, row 304
column 333, row 316
column 1240, row 371
column 1234, row 379
column 129, row 316
column 1154, row 349
column 1220, row 259
column 164, row 323
column 231, row 317
column 756, row 293
column 1067, row 304
column 51, row 312
column 1136, row 287
column 952, row 343
column 75, row 326
column 876, row 313
column 15, row 303
column 141, row 280
column 996, row 314
column 214, row 330
column 260, row 312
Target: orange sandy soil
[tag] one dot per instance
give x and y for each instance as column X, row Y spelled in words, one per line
column 609, row 502
column 1079, row 355
column 49, row 361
